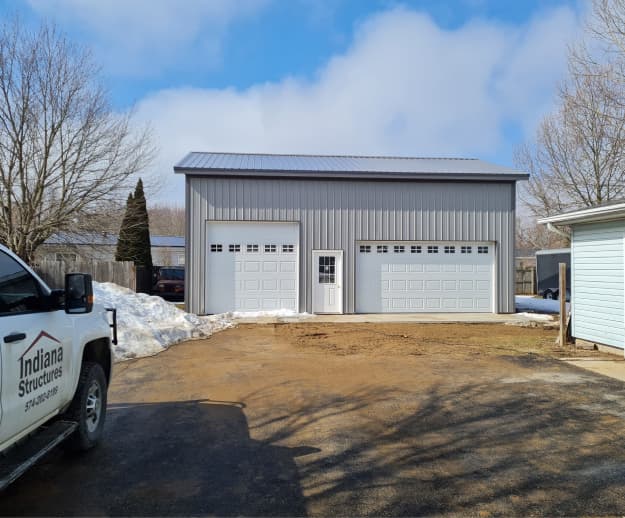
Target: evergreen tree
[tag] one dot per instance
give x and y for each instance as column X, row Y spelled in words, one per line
column 133, row 243
column 143, row 247
column 124, row 241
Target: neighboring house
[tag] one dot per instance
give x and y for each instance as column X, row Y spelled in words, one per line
column 167, row 250
column 68, row 246
column 597, row 273
column 346, row 234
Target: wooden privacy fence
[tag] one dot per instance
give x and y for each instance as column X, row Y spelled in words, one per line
column 119, row 272
column 525, row 281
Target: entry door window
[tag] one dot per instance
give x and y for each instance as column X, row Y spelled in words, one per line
column 327, row 269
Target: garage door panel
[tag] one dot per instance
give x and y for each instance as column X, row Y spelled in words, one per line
column 450, row 280
column 256, row 268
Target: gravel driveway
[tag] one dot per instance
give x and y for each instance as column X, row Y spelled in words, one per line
column 344, row 419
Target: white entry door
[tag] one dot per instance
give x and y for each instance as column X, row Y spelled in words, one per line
column 327, row 281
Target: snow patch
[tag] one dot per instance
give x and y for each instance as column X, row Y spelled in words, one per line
column 148, row 325
column 536, row 317
column 529, row 303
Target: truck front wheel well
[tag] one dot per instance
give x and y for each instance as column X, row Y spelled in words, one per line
column 98, row 351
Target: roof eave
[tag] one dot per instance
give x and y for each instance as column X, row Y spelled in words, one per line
column 368, row 175
column 594, row 215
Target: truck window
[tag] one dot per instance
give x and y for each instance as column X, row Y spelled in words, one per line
column 19, row 291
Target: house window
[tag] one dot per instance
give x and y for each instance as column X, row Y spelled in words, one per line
column 216, row 248
column 450, row 249
column 252, row 248
column 288, row 249
column 270, row 249
column 327, row 270
column 432, row 249
column 482, row 249
column 381, row 249
column 465, row 249
column 234, row 248
column 415, row 249
column 399, row 249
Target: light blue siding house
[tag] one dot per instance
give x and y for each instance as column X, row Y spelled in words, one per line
column 597, row 270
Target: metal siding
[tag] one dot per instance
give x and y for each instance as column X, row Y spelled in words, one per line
column 335, row 214
column 598, row 283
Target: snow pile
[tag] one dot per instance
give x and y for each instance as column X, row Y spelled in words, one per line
column 529, row 303
column 147, row 325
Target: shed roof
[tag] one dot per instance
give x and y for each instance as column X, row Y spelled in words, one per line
column 595, row 214
column 332, row 166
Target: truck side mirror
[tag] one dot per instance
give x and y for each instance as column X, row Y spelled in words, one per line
column 78, row 293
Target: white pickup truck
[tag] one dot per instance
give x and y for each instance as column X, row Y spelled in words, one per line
column 55, row 365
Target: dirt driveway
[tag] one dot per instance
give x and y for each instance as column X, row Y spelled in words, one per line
column 367, row 419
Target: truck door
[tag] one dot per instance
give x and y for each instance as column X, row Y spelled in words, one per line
column 35, row 350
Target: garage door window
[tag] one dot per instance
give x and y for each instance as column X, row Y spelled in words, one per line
column 482, row 249
column 252, row 249
column 450, row 249
column 399, row 249
column 216, row 248
column 288, row 249
column 234, row 248
column 382, row 249
column 465, row 249
column 270, row 249
column 365, row 249
column 415, row 249
column 327, row 270
column 432, row 249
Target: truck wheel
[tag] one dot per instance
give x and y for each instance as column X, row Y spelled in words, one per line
column 548, row 295
column 88, row 407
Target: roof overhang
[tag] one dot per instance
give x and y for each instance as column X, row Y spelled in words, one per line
column 595, row 214
column 358, row 175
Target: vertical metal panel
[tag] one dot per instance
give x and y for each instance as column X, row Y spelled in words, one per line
column 336, row 214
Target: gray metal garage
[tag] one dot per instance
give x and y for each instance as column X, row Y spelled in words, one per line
column 345, row 234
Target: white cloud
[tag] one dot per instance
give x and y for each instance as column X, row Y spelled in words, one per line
column 145, row 37
column 405, row 86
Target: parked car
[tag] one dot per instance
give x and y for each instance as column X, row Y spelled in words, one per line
column 169, row 282
column 55, row 361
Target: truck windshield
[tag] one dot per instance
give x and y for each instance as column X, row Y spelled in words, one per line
column 171, row 275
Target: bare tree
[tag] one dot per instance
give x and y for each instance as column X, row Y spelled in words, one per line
column 166, row 220
column 65, row 154
column 578, row 158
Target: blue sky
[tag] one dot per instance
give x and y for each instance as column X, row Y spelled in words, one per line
column 436, row 78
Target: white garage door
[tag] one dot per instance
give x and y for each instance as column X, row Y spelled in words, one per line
column 251, row 266
column 400, row 277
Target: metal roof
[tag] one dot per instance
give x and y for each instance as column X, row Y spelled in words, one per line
column 342, row 166
column 171, row 241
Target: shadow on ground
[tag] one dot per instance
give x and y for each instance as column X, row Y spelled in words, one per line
column 504, row 448
column 166, row 459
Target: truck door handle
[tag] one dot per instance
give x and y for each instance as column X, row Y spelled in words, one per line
column 14, row 337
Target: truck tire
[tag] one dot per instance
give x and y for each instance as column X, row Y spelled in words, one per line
column 88, row 408
column 548, row 294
